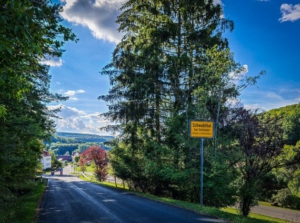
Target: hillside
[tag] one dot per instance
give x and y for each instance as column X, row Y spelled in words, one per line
column 288, row 110
column 290, row 116
column 80, row 138
column 66, row 143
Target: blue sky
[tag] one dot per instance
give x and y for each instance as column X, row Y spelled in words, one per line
column 266, row 37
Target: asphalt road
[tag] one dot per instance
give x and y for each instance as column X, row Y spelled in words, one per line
column 281, row 213
column 69, row 199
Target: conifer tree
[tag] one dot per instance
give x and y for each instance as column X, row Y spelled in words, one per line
column 163, row 73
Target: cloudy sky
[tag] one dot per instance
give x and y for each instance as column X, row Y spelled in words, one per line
column 266, row 37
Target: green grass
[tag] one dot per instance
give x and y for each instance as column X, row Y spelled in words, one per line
column 264, row 203
column 25, row 209
column 229, row 214
column 263, row 218
column 90, row 168
column 110, row 184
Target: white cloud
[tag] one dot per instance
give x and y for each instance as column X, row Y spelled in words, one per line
column 290, row 12
column 98, row 15
column 251, row 106
column 53, row 62
column 74, row 120
column 268, row 99
column 57, row 82
column 238, row 75
column 273, row 96
column 68, row 112
column 72, row 93
column 217, row 2
column 234, row 103
column 73, row 98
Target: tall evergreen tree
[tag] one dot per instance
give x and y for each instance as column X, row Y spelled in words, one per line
column 163, row 73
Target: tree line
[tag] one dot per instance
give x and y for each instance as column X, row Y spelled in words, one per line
column 173, row 65
column 63, row 148
column 30, row 34
column 64, row 137
column 61, row 143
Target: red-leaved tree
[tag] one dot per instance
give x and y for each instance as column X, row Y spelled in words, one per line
column 97, row 155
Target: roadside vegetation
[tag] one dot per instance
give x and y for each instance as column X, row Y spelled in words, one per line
column 31, row 34
column 173, row 65
column 25, row 208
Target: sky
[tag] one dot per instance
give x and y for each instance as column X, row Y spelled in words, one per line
column 266, row 37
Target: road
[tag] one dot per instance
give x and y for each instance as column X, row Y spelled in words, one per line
column 69, row 199
column 285, row 214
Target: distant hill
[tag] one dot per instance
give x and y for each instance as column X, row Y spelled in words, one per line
column 290, row 116
column 63, row 142
column 80, row 137
column 288, row 110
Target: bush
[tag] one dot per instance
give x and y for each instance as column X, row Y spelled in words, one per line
column 292, row 202
column 279, row 198
column 284, row 198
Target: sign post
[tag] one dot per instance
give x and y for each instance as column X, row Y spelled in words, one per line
column 201, row 129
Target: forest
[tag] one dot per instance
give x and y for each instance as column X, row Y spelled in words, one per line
column 173, row 65
column 62, row 143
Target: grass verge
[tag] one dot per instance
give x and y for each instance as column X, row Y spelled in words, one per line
column 109, row 184
column 25, row 208
column 264, row 203
column 229, row 214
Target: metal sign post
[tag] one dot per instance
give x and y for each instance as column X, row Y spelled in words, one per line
column 201, row 129
column 201, row 171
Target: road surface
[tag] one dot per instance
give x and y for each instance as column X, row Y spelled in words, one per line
column 69, row 199
column 285, row 214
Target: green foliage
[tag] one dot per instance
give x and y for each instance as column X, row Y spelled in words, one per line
column 24, row 209
column 76, row 159
column 61, row 143
column 271, row 183
column 259, row 140
column 30, row 32
column 64, row 137
column 290, row 116
column 219, row 178
column 62, row 148
column 284, row 198
column 289, row 171
column 171, row 66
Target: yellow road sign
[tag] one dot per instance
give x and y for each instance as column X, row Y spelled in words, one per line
column 201, row 129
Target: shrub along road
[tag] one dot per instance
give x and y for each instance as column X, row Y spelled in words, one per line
column 69, row 199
